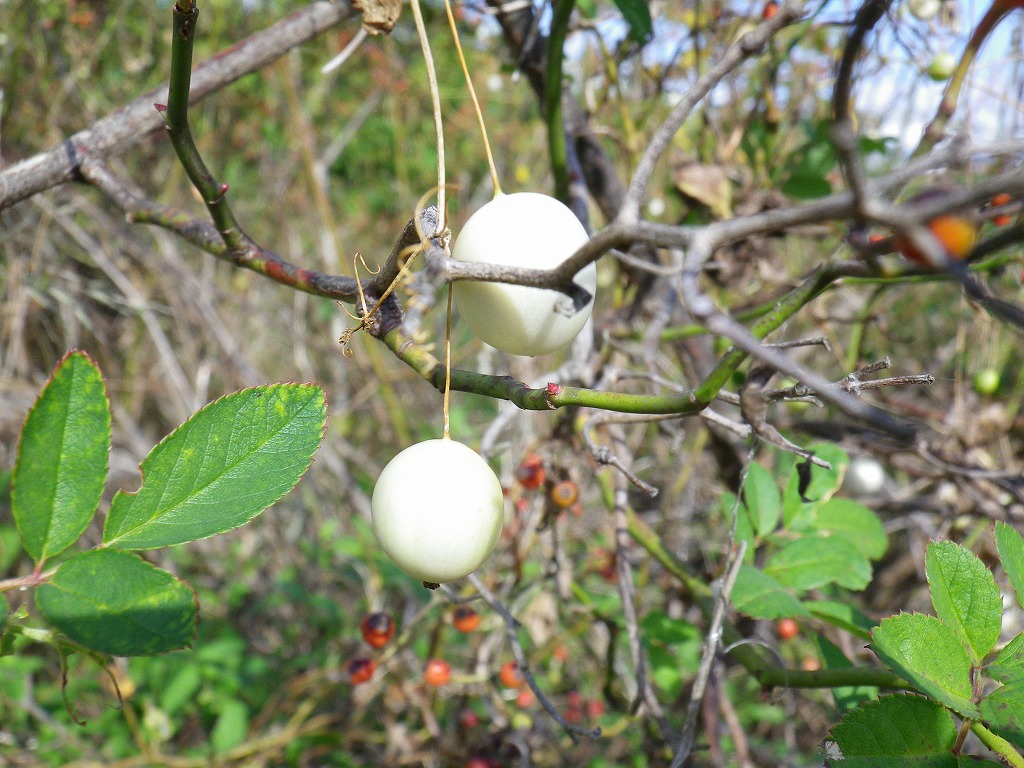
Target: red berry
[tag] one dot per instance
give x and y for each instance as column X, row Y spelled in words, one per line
column 465, row 619
column 360, row 670
column 510, row 675
column 478, row 762
column 468, row 719
column 787, row 629
column 564, row 494
column 525, row 698
column 770, row 9
column 595, row 708
column 530, row 473
column 437, row 673
column 377, row 628
column 997, row 202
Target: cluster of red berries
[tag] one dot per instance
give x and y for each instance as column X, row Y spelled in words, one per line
column 563, row 494
column 377, row 628
column 577, row 707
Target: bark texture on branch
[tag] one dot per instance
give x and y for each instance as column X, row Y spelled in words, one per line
column 121, row 129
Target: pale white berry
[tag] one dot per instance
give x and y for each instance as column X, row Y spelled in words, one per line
column 864, row 477
column 925, row 10
column 437, row 510
column 531, row 230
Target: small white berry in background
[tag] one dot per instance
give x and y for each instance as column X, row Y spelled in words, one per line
column 530, row 230
column 655, row 207
column 865, row 476
column 925, row 10
column 437, row 510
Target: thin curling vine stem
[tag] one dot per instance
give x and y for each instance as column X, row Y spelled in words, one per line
column 472, row 96
column 435, row 99
column 185, row 16
column 561, row 14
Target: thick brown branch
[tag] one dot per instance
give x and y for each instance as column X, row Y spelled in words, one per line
column 121, row 129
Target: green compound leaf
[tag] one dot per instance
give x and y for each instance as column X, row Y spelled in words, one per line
column 1008, row 666
column 930, row 655
column 814, row 561
column 898, row 730
column 758, row 595
column 62, row 459
column 1011, row 554
column 854, row 523
column 965, row 596
column 1003, row 712
column 638, row 16
column 221, row 468
column 762, row 499
column 114, row 602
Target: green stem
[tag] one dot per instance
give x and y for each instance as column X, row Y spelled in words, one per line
column 857, row 331
column 559, row 396
column 553, row 97
column 184, row 22
column 816, row 282
column 998, row 744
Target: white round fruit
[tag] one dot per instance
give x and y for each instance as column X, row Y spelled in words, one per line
column 925, row 10
column 437, row 510
column 865, row 476
column 531, row 230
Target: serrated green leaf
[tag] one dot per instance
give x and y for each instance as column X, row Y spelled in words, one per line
column 62, row 458
column 1003, row 712
column 114, row 602
column 814, row 561
column 847, row 697
column 853, row 522
column 929, row 654
column 965, row 596
column 759, row 596
column 638, row 16
column 842, row 615
column 1010, row 544
column 221, row 468
column 1008, row 666
column 893, row 730
column 761, row 498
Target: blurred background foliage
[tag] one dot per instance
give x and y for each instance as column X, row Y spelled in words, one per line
column 324, row 167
